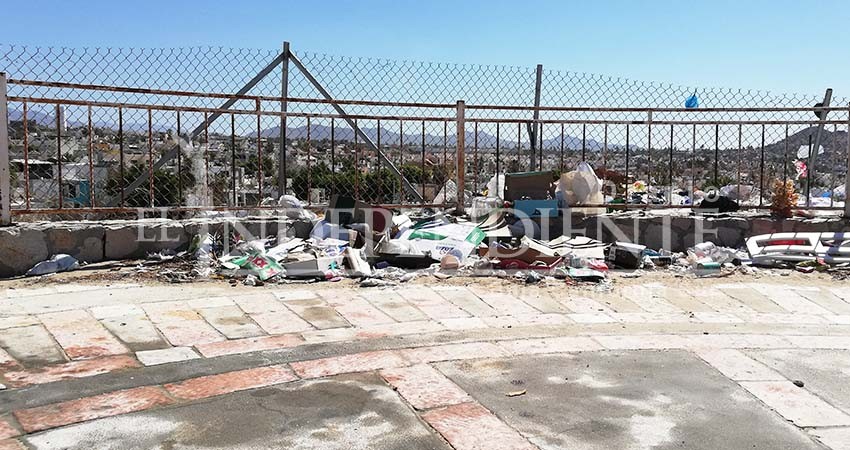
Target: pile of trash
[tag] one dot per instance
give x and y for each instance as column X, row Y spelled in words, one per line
column 501, row 237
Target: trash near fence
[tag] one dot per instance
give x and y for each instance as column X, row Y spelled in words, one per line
column 501, row 237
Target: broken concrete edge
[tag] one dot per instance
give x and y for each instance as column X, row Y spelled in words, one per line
column 24, row 245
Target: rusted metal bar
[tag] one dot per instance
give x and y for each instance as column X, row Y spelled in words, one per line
column 604, row 158
column 562, row 147
column 761, row 170
column 260, row 161
column 716, row 155
column 670, row 169
column 233, row 195
column 26, row 152
column 121, row 154
column 135, row 211
column 847, row 173
column 784, row 158
column 649, row 154
column 195, row 94
column 209, row 199
column 356, row 164
column 445, row 143
column 628, row 150
column 693, row 164
column 238, row 96
column 740, row 151
column 179, row 159
column 309, row 163
column 422, row 167
column 519, row 145
column 540, row 146
column 91, row 159
column 333, row 146
column 461, row 155
column 498, row 170
column 380, row 148
column 150, row 158
column 284, row 92
column 401, row 160
column 583, row 142
column 219, row 111
column 660, row 122
column 832, row 165
column 475, row 158
column 5, row 170
column 644, row 110
column 59, row 121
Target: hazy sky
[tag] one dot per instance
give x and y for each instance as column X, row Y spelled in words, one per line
column 776, row 45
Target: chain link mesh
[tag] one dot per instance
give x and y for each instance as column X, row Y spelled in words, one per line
column 234, row 161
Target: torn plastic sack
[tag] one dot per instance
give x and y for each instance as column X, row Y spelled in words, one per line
column 437, row 237
column 581, row 187
column 260, row 265
column 293, row 209
column 496, row 186
column 57, row 263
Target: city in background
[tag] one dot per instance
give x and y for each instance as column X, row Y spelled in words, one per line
column 80, row 149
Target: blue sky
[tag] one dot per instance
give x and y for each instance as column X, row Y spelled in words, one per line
column 777, row 45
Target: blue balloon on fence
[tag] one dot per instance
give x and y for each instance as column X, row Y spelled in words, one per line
column 692, row 101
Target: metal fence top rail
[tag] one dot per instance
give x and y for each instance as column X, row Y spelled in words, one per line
column 266, row 98
column 514, row 120
column 253, row 112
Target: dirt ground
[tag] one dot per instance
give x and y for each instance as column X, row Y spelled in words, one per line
column 144, row 273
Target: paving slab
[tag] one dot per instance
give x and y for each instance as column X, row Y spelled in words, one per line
column 136, row 331
column 623, row 400
column 345, row 412
column 317, row 313
column 230, row 321
column 824, row 372
column 31, row 345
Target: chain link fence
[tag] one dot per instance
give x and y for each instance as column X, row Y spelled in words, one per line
column 94, row 130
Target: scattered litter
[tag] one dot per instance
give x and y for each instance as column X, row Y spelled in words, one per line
column 585, row 274
column 501, row 238
column 376, row 282
column 57, row 263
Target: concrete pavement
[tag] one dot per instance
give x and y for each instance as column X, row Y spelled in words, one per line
column 664, row 365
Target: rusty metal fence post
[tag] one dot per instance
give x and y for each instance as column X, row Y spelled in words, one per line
column 847, row 174
column 284, row 93
column 461, row 162
column 5, row 175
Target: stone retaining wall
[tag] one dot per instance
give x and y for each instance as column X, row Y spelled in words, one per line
column 24, row 245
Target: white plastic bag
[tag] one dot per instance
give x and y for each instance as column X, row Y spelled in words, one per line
column 581, row 186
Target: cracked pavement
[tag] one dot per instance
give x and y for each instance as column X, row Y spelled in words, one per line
column 655, row 364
